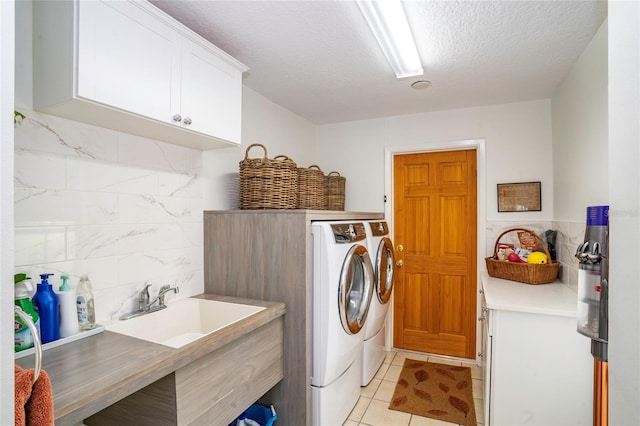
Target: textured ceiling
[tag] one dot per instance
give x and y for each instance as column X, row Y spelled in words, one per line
column 320, row 60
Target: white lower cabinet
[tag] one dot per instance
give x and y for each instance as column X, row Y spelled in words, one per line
column 128, row 66
column 485, row 357
column 538, row 370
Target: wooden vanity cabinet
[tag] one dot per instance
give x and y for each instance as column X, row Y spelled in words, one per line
column 266, row 255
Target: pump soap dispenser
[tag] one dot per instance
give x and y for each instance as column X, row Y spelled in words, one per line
column 68, row 311
column 46, row 303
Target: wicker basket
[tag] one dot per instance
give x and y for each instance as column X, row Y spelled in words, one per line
column 334, row 191
column 310, row 188
column 528, row 273
column 267, row 183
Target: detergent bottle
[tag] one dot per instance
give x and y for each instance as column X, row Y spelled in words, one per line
column 46, row 303
column 22, row 337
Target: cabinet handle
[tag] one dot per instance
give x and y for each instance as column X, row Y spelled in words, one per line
column 481, row 291
column 187, row 121
column 177, row 118
column 400, row 263
column 485, row 310
column 482, row 318
column 480, row 354
column 399, row 247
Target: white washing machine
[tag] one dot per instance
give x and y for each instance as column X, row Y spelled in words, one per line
column 381, row 250
column 342, row 290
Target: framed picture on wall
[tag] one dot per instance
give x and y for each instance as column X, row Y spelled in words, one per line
column 519, row 197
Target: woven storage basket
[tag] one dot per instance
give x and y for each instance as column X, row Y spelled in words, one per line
column 528, row 273
column 267, row 183
column 334, row 191
column 310, row 188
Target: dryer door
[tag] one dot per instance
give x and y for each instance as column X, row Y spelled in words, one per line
column 356, row 289
column 384, row 270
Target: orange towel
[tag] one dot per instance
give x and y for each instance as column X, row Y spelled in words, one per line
column 33, row 401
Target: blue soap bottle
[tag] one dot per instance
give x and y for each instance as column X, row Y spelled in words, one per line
column 46, row 303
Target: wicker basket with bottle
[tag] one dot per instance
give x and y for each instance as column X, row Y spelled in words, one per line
column 528, row 273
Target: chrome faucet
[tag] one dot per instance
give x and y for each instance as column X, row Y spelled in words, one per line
column 161, row 293
column 145, row 306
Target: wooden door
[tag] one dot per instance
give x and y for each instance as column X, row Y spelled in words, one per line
column 435, row 240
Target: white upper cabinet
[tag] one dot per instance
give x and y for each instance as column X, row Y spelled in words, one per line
column 205, row 81
column 127, row 66
column 127, row 59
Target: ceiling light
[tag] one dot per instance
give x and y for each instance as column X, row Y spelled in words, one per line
column 389, row 25
column 421, row 84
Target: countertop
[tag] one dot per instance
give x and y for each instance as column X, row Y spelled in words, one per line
column 547, row 299
column 92, row 373
column 309, row 214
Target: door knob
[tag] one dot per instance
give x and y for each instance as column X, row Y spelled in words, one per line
column 399, row 263
column 400, row 247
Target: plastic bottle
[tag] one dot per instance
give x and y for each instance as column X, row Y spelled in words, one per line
column 85, row 305
column 68, row 310
column 23, row 338
column 244, row 421
column 46, row 303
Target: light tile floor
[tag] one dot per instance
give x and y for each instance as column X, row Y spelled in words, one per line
column 372, row 408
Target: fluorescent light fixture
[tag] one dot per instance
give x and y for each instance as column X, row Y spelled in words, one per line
column 389, row 25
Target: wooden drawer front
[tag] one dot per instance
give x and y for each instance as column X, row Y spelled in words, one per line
column 212, row 390
column 216, row 388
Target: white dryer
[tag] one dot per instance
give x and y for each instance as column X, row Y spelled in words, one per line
column 342, row 290
column 373, row 348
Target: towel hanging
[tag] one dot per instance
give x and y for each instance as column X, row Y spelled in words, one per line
column 37, row 344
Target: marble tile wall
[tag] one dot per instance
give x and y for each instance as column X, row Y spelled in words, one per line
column 570, row 235
column 123, row 209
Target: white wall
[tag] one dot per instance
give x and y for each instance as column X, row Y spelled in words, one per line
column 265, row 123
column 518, row 144
column 624, row 194
column 579, row 109
column 6, row 210
column 518, row 149
column 580, row 133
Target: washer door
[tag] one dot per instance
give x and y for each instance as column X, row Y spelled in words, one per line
column 356, row 289
column 384, row 270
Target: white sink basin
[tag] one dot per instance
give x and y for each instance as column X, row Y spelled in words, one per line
column 184, row 321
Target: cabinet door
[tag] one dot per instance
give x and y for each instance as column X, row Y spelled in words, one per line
column 487, row 367
column 485, row 358
column 211, row 94
column 128, row 59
